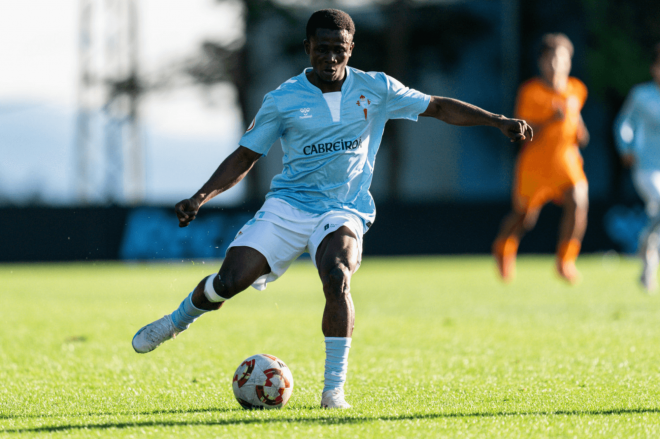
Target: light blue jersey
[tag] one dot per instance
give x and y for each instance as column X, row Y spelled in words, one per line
column 637, row 128
column 330, row 140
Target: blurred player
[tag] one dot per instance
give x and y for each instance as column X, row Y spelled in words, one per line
column 330, row 120
column 550, row 168
column 637, row 135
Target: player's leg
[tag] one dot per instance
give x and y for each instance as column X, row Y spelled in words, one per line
column 505, row 248
column 337, row 258
column 648, row 251
column 240, row 269
column 527, row 201
column 648, row 187
column 572, row 227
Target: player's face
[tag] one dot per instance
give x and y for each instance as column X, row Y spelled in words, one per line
column 655, row 71
column 329, row 51
column 555, row 63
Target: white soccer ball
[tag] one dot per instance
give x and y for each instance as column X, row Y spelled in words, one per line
column 262, row 381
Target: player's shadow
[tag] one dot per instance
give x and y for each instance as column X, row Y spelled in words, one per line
column 348, row 419
column 126, row 413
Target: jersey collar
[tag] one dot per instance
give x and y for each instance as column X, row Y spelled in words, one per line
column 345, row 86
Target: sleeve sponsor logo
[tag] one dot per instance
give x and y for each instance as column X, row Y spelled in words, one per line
column 336, row 146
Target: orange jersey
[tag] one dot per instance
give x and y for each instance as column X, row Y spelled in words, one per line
column 551, row 163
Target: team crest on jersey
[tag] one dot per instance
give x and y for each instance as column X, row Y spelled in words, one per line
column 364, row 103
column 305, row 113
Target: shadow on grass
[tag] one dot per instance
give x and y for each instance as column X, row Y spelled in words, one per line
column 318, row 420
column 127, row 413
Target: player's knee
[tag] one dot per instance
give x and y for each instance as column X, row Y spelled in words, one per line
column 582, row 197
column 529, row 221
column 336, row 282
column 229, row 284
column 578, row 196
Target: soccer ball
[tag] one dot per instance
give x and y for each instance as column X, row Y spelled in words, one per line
column 262, row 381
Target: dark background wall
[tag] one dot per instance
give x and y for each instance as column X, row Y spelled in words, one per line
column 147, row 233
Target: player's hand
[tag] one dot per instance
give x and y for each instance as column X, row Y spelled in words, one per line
column 516, row 129
column 186, row 210
column 628, row 160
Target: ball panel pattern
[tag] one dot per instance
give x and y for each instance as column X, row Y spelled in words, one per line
column 262, row 382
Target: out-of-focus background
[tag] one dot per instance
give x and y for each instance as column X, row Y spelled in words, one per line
column 111, row 111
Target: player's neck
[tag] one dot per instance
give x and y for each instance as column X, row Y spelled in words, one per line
column 556, row 82
column 326, row 87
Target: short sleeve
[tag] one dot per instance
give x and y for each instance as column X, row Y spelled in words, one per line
column 265, row 129
column 403, row 102
column 624, row 124
column 580, row 90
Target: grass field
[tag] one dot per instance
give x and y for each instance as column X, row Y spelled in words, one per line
column 441, row 349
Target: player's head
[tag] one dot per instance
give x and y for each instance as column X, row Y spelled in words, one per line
column 555, row 55
column 655, row 66
column 329, row 43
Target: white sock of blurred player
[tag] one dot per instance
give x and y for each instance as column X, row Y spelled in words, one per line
column 649, row 253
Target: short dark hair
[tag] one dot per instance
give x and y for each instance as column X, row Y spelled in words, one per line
column 553, row 41
column 332, row 19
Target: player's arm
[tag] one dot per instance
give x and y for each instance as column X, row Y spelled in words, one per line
column 624, row 130
column 232, row 170
column 455, row 112
column 583, row 136
column 627, row 159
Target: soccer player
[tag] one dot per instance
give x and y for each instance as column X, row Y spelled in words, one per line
column 550, row 168
column 330, row 120
column 637, row 135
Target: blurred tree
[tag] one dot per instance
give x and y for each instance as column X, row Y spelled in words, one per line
column 621, row 36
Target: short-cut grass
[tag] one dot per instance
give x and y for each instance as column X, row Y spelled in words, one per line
column 441, row 349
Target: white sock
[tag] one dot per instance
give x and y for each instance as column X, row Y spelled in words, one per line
column 336, row 362
column 186, row 314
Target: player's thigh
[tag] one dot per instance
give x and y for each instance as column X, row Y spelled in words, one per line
column 577, row 196
column 242, row 267
column 647, row 184
column 528, row 196
column 339, row 249
column 527, row 207
column 277, row 240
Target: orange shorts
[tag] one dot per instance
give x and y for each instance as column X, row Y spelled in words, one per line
column 539, row 181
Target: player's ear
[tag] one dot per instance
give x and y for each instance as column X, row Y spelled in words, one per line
column 307, row 45
column 350, row 50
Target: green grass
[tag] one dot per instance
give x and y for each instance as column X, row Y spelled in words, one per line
column 441, row 349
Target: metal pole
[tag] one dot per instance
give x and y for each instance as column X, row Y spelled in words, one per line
column 83, row 122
